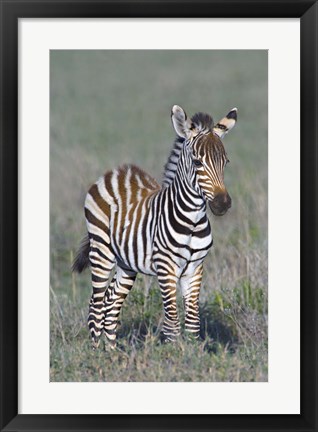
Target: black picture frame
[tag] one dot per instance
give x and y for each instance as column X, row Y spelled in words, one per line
column 11, row 12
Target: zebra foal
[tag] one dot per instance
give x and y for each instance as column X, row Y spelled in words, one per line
column 136, row 225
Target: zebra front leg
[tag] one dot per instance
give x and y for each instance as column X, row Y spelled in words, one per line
column 115, row 296
column 171, row 324
column 102, row 262
column 190, row 286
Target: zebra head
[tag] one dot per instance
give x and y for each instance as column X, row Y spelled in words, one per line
column 205, row 154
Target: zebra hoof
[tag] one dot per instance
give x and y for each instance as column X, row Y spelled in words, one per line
column 95, row 344
column 193, row 338
column 170, row 339
column 110, row 346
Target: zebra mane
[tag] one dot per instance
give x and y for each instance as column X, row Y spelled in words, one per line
column 172, row 162
column 200, row 121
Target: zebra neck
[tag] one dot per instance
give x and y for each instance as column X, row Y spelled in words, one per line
column 182, row 196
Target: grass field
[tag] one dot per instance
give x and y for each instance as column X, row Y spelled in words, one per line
column 113, row 107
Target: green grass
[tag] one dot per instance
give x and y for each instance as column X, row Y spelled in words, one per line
column 108, row 108
column 233, row 347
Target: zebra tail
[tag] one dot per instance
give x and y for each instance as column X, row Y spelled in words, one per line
column 81, row 260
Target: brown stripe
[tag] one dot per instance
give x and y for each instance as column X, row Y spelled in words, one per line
column 94, row 221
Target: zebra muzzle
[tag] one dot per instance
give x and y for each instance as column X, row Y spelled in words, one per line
column 220, row 204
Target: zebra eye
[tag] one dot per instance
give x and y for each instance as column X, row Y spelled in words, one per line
column 197, row 163
column 227, row 161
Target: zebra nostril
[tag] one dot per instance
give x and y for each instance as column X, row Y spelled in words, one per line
column 223, row 199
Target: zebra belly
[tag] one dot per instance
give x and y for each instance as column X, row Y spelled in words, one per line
column 147, row 268
column 134, row 253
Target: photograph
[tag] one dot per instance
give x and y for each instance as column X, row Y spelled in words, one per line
column 158, row 215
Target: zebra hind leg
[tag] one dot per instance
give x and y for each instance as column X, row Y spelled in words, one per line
column 102, row 261
column 116, row 293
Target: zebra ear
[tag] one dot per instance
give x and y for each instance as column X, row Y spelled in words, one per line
column 226, row 124
column 181, row 123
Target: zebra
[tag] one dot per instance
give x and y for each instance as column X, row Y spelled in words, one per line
column 135, row 225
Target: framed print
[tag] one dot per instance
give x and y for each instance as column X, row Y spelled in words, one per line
column 115, row 121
